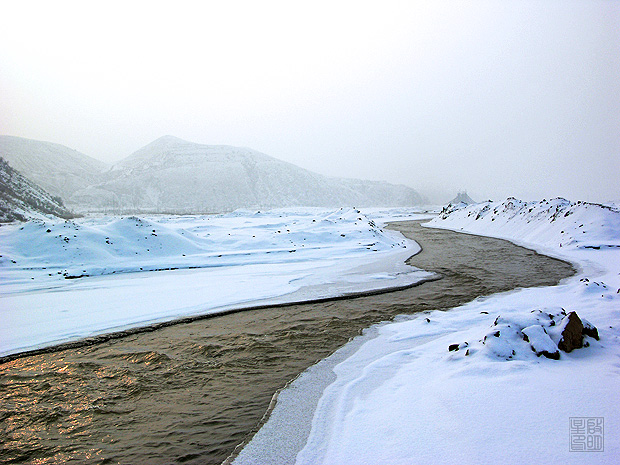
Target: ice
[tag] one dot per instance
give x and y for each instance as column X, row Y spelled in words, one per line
column 65, row 280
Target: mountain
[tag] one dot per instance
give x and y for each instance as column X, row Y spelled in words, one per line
column 173, row 175
column 58, row 169
column 462, row 197
column 21, row 198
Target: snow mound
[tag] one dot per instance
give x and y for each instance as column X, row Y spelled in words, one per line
column 552, row 223
column 526, row 336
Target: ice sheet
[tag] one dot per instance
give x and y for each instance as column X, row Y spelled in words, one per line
column 66, row 280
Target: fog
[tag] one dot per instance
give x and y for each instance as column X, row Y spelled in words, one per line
column 497, row 98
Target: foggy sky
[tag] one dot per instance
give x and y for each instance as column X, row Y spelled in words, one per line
column 498, row 98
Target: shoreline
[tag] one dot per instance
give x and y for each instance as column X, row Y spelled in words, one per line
column 102, row 338
column 312, row 383
column 213, row 380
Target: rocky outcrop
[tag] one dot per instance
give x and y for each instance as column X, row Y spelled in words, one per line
column 571, row 333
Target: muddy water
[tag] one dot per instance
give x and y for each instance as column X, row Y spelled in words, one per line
column 189, row 393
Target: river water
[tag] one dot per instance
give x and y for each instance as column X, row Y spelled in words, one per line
column 191, row 392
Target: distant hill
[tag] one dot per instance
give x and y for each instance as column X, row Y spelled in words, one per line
column 21, row 198
column 462, row 197
column 173, row 175
column 58, row 169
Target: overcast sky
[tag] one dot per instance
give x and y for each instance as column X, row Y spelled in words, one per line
column 496, row 97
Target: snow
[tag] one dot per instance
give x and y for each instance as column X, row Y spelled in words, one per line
column 472, row 385
column 66, row 280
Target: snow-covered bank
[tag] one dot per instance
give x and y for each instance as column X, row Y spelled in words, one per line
column 65, row 280
column 402, row 396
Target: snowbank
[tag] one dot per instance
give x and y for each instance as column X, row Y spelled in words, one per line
column 65, row 280
column 481, row 383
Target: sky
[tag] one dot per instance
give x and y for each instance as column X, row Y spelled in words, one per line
column 498, row 98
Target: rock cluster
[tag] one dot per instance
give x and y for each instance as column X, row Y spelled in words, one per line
column 543, row 333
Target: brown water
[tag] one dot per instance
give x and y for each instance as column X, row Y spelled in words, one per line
column 190, row 393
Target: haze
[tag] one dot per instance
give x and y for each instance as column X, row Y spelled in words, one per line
column 499, row 98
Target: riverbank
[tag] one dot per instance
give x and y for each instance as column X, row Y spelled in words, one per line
column 474, row 385
column 194, row 391
column 73, row 283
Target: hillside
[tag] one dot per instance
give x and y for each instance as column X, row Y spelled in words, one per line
column 173, row 175
column 21, row 199
column 59, row 170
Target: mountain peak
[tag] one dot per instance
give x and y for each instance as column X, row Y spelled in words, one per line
column 462, row 197
column 168, row 140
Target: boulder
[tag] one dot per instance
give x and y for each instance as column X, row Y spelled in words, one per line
column 571, row 333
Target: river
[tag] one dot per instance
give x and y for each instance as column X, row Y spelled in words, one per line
column 189, row 393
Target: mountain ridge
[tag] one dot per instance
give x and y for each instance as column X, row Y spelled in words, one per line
column 58, row 169
column 171, row 175
column 21, row 198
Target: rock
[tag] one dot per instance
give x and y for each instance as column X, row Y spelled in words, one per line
column 540, row 342
column 571, row 333
column 589, row 329
column 455, row 347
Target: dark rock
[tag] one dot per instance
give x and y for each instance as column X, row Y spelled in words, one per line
column 453, row 347
column 571, row 336
column 589, row 329
column 552, row 355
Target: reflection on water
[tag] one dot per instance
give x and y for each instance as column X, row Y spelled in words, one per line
column 189, row 393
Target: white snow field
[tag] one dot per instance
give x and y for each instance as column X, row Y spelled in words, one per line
column 398, row 395
column 67, row 280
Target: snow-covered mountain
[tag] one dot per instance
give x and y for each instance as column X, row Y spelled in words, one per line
column 173, row 175
column 21, row 198
column 58, row 169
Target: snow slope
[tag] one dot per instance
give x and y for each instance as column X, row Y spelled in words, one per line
column 173, row 175
column 65, row 280
column 58, row 169
column 472, row 385
column 21, row 199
